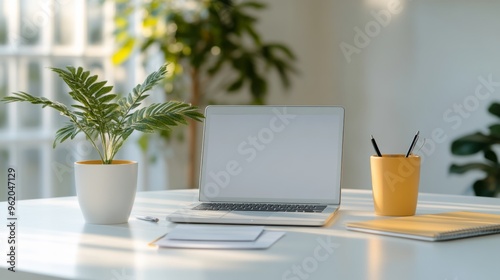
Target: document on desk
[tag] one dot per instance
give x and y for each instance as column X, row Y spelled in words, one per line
column 216, row 233
column 219, row 237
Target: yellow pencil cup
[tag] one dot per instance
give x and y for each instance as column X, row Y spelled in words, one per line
column 395, row 180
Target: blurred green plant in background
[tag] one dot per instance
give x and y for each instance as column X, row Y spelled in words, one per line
column 480, row 143
column 205, row 41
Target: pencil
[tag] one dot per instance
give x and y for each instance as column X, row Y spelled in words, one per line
column 412, row 145
column 375, row 146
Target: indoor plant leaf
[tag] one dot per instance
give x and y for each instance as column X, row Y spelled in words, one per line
column 463, row 168
column 495, row 109
column 490, row 155
column 471, row 144
column 485, row 187
column 495, row 130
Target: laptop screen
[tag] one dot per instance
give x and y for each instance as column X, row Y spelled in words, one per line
column 272, row 154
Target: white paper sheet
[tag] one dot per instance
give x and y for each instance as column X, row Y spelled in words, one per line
column 265, row 240
column 215, row 232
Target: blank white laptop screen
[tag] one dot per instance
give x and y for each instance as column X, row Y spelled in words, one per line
column 272, row 154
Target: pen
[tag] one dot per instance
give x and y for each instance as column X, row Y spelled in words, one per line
column 375, row 146
column 412, row 145
column 152, row 243
column 148, row 218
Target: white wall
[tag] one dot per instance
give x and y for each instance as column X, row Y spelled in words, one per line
column 412, row 74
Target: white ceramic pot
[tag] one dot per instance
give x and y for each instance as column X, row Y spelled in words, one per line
column 106, row 192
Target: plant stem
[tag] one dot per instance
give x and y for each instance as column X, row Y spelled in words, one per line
column 75, row 121
column 104, row 144
column 115, row 145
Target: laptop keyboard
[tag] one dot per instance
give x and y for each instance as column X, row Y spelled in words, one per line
column 261, row 207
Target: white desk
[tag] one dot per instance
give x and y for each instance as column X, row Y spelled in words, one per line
column 54, row 242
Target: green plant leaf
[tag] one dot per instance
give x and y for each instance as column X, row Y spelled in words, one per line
column 107, row 98
column 473, row 143
column 68, row 131
column 282, row 49
column 95, row 86
column 490, row 155
column 26, row 97
column 84, row 109
column 252, row 4
column 236, row 85
column 495, row 109
column 255, row 36
column 162, row 116
column 90, row 81
column 495, row 130
column 461, row 169
column 258, row 87
column 103, row 92
column 485, row 187
column 134, row 99
column 281, row 67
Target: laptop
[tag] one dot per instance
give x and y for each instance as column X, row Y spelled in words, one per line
column 269, row 165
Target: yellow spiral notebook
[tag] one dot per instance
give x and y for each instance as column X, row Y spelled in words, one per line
column 433, row 227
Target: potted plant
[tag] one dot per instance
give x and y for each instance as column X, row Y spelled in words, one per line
column 481, row 143
column 106, row 187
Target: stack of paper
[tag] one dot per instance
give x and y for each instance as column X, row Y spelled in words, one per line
column 219, row 237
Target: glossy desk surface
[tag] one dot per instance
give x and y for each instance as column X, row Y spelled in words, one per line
column 54, row 242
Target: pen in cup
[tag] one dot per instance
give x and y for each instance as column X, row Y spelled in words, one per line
column 375, row 146
column 412, row 145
